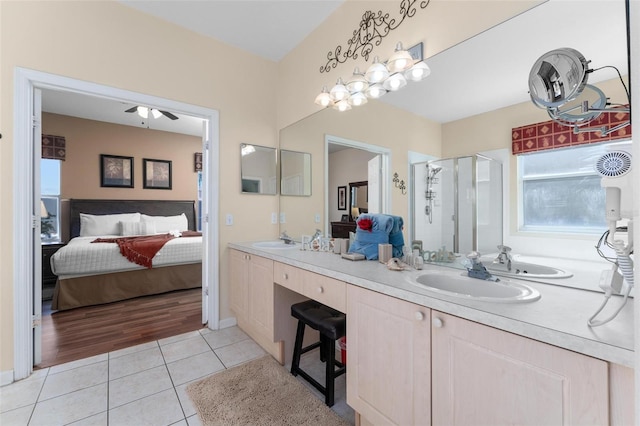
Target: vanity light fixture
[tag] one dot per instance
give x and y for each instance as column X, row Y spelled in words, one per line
column 558, row 82
column 379, row 78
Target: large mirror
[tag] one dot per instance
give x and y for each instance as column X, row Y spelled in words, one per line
column 258, row 169
column 295, row 173
column 431, row 118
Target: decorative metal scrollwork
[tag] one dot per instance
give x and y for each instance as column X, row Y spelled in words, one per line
column 372, row 29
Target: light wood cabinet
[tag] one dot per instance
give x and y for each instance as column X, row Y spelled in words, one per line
column 252, row 298
column 325, row 290
column 482, row 375
column 388, row 360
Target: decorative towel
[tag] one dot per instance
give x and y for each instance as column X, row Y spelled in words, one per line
column 395, row 236
column 141, row 250
column 371, row 230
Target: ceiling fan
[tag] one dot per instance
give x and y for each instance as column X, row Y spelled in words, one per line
column 156, row 113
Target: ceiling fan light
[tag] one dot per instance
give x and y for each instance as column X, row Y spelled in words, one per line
column 155, row 113
column 143, row 112
column 395, row 82
column 377, row 72
column 401, row 60
column 342, row 105
column 339, row 92
column 418, row 71
column 323, row 99
column 358, row 99
column 357, row 83
column 375, row 91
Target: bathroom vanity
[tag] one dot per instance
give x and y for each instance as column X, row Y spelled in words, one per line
column 416, row 358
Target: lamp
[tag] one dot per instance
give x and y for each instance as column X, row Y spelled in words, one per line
column 355, row 212
column 377, row 72
column 380, row 78
column 324, row 99
column 395, row 82
column 400, row 61
column 339, row 92
column 357, row 83
column 44, row 213
column 143, row 112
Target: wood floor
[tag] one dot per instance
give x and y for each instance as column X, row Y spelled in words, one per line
column 93, row 330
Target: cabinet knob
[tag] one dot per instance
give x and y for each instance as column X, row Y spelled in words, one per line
column 419, row 316
column 320, row 290
column 437, row 322
column 286, row 276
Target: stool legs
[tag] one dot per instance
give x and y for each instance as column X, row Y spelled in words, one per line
column 297, row 349
column 330, row 373
column 327, row 355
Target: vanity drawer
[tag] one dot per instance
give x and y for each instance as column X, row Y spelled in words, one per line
column 288, row 276
column 328, row 291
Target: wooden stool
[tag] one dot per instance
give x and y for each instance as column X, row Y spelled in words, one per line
column 331, row 325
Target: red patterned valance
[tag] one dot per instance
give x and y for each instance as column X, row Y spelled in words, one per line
column 551, row 135
column 54, row 147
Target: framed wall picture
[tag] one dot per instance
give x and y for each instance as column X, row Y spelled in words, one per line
column 157, row 174
column 342, row 198
column 116, row 171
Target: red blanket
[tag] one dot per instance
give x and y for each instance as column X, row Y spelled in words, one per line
column 141, row 250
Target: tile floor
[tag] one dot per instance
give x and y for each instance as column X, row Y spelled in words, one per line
column 140, row 385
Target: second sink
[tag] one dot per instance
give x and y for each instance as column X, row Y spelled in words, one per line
column 458, row 285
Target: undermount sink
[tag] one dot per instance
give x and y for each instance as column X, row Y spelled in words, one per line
column 278, row 245
column 462, row 286
column 525, row 270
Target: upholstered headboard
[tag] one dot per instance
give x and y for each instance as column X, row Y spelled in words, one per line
column 149, row 207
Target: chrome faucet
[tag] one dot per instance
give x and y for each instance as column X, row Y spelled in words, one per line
column 287, row 239
column 316, row 236
column 477, row 269
column 504, row 257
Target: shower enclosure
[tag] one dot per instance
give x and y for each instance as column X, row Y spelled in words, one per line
column 457, row 204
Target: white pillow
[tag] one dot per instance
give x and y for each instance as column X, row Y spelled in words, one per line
column 104, row 224
column 129, row 229
column 165, row 224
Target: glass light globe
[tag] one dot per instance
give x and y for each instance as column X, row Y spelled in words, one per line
column 377, row 72
column 339, row 92
column 395, row 82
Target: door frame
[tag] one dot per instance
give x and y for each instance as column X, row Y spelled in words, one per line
column 25, row 82
column 385, row 164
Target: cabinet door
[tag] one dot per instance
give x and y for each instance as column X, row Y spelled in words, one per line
column 388, row 358
column 482, row 375
column 238, row 279
column 260, row 291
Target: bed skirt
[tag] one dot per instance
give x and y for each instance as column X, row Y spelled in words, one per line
column 98, row 289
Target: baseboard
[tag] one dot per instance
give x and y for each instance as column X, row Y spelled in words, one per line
column 6, row 377
column 228, row 322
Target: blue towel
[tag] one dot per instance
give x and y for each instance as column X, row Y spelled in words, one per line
column 395, row 236
column 366, row 241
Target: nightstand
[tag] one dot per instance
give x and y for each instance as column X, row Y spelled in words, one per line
column 48, row 277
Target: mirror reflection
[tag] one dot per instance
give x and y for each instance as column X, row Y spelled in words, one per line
column 258, row 173
column 467, row 117
column 295, row 173
column 358, row 199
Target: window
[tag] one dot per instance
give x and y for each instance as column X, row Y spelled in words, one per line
column 560, row 190
column 50, row 200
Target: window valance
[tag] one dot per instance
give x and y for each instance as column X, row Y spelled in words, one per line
column 54, row 147
column 551, row 135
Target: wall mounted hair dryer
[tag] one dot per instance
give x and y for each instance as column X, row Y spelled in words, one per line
column 617, row 179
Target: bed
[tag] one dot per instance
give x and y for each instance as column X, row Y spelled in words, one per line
column 92, row 273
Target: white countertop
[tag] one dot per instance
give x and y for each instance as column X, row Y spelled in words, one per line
column 559, row 317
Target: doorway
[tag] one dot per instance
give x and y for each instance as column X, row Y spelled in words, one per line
column 384, row 199
column 27, row 307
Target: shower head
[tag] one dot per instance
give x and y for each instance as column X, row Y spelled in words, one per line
column 434, row 170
